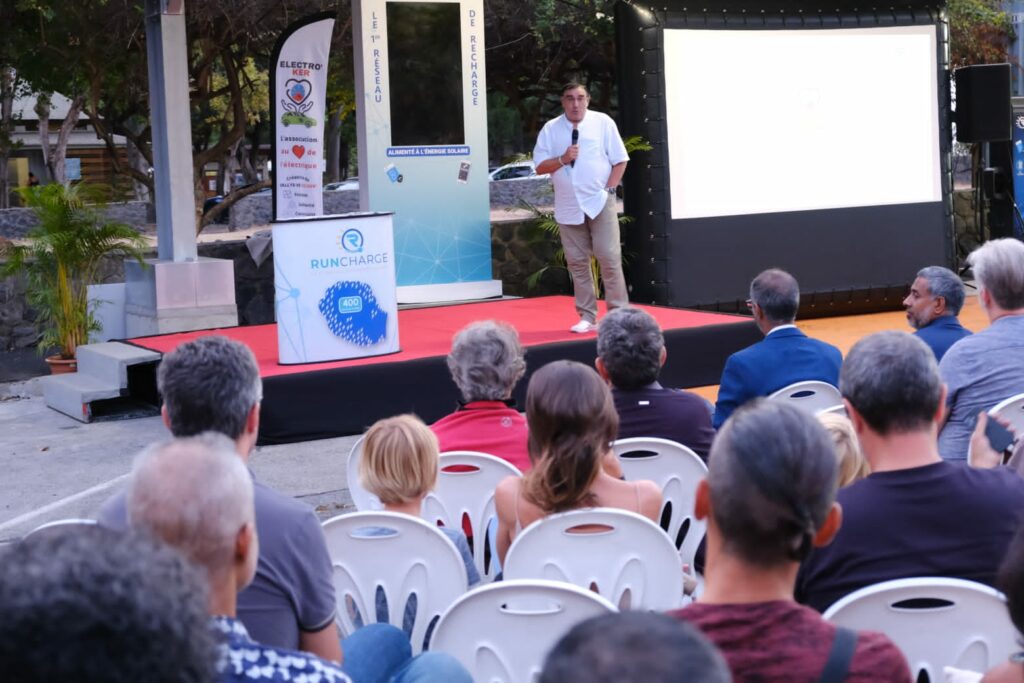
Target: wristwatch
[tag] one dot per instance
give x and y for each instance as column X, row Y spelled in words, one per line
column 610, row 190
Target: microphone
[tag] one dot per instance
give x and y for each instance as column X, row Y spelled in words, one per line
column 575, row 139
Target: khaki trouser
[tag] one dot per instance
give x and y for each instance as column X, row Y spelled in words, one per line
column 598, row 237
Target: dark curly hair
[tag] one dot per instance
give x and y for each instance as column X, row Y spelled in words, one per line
column 94, row 605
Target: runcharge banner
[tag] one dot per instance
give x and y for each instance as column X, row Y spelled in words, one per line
column 298, row 90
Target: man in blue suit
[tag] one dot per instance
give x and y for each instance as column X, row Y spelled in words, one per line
column 786, row 355
column 933, row 305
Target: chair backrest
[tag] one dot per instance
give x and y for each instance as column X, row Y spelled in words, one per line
column 1012, row 411
column 465, row 491
column 838, row 409
column 936, row 622
column 811, row 396
column 676, row 470
column 363, row 499
column 621, row 555
column 503, row 631
column 386, row 559
column 59, row 524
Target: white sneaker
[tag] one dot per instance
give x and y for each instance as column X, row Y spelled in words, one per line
column 583, row 326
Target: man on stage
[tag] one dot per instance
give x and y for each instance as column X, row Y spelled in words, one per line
column 584, row 154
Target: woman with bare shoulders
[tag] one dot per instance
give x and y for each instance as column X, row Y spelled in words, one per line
column 572, row 422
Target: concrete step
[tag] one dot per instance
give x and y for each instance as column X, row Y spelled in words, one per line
column 71, row 394
column 108, row 361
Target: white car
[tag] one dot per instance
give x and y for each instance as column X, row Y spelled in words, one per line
column 347, row 184
column 517, row 170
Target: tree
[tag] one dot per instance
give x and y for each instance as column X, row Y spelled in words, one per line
column 979, row 32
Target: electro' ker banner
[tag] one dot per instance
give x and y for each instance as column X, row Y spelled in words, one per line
column 298, row 90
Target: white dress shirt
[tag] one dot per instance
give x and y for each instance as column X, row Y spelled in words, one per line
column 581, row 189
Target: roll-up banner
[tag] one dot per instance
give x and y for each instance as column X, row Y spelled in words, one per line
column 298, row 90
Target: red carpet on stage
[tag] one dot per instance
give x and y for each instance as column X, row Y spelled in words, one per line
column 319, row 400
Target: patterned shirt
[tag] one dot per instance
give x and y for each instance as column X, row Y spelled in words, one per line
column 241, row 659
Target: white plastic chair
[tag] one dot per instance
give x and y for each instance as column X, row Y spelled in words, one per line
column 676, row 470
column 400, row 556
column 469, row 494
column 1011, row 410
column 363, row 499
column 839, row 409
column 628, row 559
column 502, row 632
column 811, row 396
column 936, row 622
column 60, row 524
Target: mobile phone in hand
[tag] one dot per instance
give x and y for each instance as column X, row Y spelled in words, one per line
column 999, row 437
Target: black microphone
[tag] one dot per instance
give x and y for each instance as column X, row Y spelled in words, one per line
column 575, row 139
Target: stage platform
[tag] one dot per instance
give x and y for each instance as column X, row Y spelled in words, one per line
column 321, row 400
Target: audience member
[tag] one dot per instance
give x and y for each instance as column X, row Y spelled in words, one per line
column 400, row 466
column 853, row 466
column 785, row 355
column 915, row 514
column 985, row 368
column 486, row 363
column 934, row 302
column 1011, row 583
column 572, row 422
column 213, row 384
column 634, row 646
column 630, row 353
column 95, row 606
column 196, row 495
column 768, row 498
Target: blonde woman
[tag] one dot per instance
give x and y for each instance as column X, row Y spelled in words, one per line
column 853, row 466
column 399, row 466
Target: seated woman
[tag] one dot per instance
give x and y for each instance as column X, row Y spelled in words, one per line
column 486, row 363
column 1011, row 582
column 399, row 466
column 572, row 423
column 853, row 466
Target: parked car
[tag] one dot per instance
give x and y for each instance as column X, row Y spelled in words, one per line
column 347, row 184
column 516, row 171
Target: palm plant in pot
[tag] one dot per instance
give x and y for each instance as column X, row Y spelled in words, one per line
column 60, row 259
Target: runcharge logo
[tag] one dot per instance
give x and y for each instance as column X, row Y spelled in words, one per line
column 352, row 241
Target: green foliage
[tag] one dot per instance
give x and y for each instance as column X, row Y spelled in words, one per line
column 62, row 256
column 979, row 32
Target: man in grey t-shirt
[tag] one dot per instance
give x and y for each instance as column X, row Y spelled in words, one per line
column 212, row 384
column 987, row 367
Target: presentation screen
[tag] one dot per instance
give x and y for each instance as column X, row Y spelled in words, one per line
column 425, row 68
column 771, row 121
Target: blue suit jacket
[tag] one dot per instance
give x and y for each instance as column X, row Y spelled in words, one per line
column 942, row 333
column 780, row 359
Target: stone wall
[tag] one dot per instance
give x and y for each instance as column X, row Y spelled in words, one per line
column 517, row 251
column 15, row 223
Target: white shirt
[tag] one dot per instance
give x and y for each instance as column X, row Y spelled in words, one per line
column 781, row 327
column 581, row 189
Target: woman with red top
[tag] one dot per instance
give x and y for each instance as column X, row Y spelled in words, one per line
column 486, row 362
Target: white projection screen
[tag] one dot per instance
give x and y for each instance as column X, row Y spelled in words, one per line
column 763, row 122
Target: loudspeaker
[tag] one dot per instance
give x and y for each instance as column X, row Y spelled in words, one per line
column 983, row 112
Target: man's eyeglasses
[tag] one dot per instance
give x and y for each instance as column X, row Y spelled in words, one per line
column 570, row 98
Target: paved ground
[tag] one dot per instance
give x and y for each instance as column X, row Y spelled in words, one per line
column 54, row 467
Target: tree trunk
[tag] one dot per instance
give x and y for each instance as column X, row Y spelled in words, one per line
column 7, row 82
column 42, row 109
column 332, row 147
column 56, row 155
column 137, row 161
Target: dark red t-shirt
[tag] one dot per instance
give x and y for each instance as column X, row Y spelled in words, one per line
column 781, row 641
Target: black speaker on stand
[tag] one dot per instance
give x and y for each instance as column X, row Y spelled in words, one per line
column 984, row 115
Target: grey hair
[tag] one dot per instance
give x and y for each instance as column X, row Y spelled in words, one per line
column 777, row 294
column 209, row 384
column 772, row 478
column 195, row 494
column 629, row 343
column 486, row 360
column 945, row 283
column 92, row 604
column 891, row 379
column 998, row 266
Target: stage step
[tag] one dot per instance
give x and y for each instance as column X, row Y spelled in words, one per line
column 102, row 375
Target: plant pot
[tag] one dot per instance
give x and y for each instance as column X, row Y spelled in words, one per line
column 61, row 366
